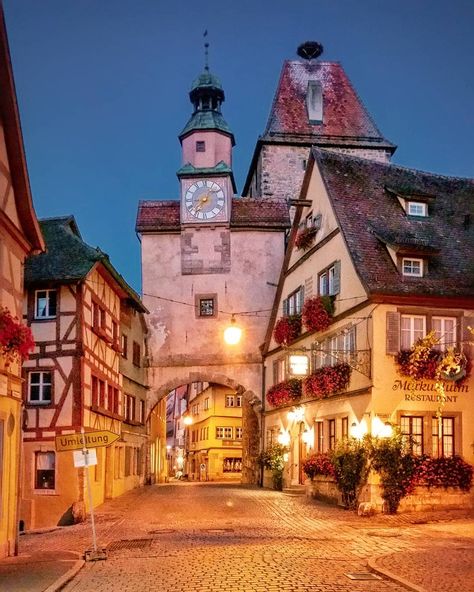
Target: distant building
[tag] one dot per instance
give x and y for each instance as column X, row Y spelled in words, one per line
column 214, row 438
column 20, row 236
column 77, row 306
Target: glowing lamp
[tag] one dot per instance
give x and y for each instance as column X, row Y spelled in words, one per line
column 299, row 364
column 283, row 438
column 232, row 333
column 187, row 420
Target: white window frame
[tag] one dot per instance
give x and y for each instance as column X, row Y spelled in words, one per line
column 47, row 298
column 417, row 208
column 410, row 330
column 295, row 302
column 224, row 433
column 238, row 401
column 230, row 401
column 446, row 335
column 409, row 270
column 50, row 454
column 42, row 383
column 238, row 433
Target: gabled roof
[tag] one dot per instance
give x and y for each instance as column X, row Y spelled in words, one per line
column 164, row 216
column 68, row 259
column 371, row 218
column 345, row 117
column 14, row 143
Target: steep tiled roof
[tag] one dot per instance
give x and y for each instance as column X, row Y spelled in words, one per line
column 344, row 115
column 371, row 218
column 163, row 216
column 69, row 259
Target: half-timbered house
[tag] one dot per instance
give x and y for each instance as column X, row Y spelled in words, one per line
column 73, row 378
column 20, row 236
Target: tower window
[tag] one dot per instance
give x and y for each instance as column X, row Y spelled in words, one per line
column 200, row 146
column 314, row 101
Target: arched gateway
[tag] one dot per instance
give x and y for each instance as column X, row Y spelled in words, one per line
column 208, row 258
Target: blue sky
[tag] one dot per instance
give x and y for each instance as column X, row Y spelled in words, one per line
column 103, row 87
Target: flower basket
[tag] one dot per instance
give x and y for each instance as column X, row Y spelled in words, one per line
column 327, row 381
column 287, row 329
column 304, row 238
column 16, row 339
column 444, row 472
column 284, row 393
column 318, row 463
column 317, row 313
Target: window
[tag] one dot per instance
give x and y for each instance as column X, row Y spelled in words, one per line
column 336, row 349
column 45, row 463
column 124, row 346
column 129, row 407
column 195, row 409
column 412, row 267
column 294, row 303
column 417, row 208
column 238, row 433
column 238, row 401
column 98, row 317
column 443, row 436
column 224, row 433
column 279, row 370
column 445, row 331
column 319, row 436
column 230, row 401
column 332, row 433
column 206, row 307
column 128, row 460
column 200, row 146
column 345, row 428
column 206, row 403
column 136, row 354
column 314, row 101
column 412, row 430
column 115, row 333
column 329, row 280
column 141, row 412
column 40, row 387
column 412, row 327
column 45, row 304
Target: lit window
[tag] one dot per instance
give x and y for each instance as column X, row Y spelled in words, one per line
column 45, row 469
column 332, row 433
column 412, row 267
column 417, row 208
column 443, row 436
column 445, row 331
column 412, row 430
column 45, row 304
column 39, row 390
column 412, row 328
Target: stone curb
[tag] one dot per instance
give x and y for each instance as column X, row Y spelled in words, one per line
column 67, row 577
column 392, row 576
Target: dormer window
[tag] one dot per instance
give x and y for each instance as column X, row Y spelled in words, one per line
column 314, row 101
column 417, row 208
column 200, row 146
column 412, row 267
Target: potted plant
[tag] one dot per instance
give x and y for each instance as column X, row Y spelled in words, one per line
column 305, row 237
column 328, row 380
column 317, row 313
column 16, row 339
column 273, row 459
column 284, row 393
column 318, row 463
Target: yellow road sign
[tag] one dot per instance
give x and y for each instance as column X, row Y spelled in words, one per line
column 86, row 440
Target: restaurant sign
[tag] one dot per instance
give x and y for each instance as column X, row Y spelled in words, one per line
column 425, row 390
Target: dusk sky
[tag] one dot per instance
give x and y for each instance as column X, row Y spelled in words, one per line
column 103, row 88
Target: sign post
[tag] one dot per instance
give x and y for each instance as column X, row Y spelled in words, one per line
column 83, row 446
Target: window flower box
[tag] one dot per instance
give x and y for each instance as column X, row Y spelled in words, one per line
column 284, row 393
column 317, row 313
column 287, row 329
column 16, row 339
column 304, row 238
column 327, row 381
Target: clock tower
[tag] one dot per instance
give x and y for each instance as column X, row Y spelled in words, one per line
column 206, row 179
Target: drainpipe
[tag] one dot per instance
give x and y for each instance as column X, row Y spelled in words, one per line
column 262, row 425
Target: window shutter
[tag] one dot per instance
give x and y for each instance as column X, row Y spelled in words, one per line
column 337, row 277
column 275, row 372
column 308, row 287
column 393, row 333
column 301, row 298
column 467, row 338
column 317, row 221
column 285, row 307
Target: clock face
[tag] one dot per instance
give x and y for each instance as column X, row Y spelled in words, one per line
column 204, row 200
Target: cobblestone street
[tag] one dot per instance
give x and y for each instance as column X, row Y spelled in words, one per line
column 209, row 537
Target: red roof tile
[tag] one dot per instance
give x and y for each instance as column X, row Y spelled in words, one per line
column 164, row 216
column 344, row 115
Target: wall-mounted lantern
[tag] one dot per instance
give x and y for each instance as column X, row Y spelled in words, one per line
column 298, row 365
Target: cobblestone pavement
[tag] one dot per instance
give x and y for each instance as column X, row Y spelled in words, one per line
column 212, row 537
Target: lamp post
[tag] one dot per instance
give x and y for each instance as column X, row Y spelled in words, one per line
column 187, row 420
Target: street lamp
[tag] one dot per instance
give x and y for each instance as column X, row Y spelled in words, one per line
column 232, row 333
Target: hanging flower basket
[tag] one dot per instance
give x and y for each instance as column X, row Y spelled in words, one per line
column 317, row 313
column 304, row 238
column 425, row 367
column 16, row 339
column 287, row 329
column 284, row 393
column 327, row 381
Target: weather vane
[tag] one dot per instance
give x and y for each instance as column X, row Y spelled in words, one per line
column 206, row 52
